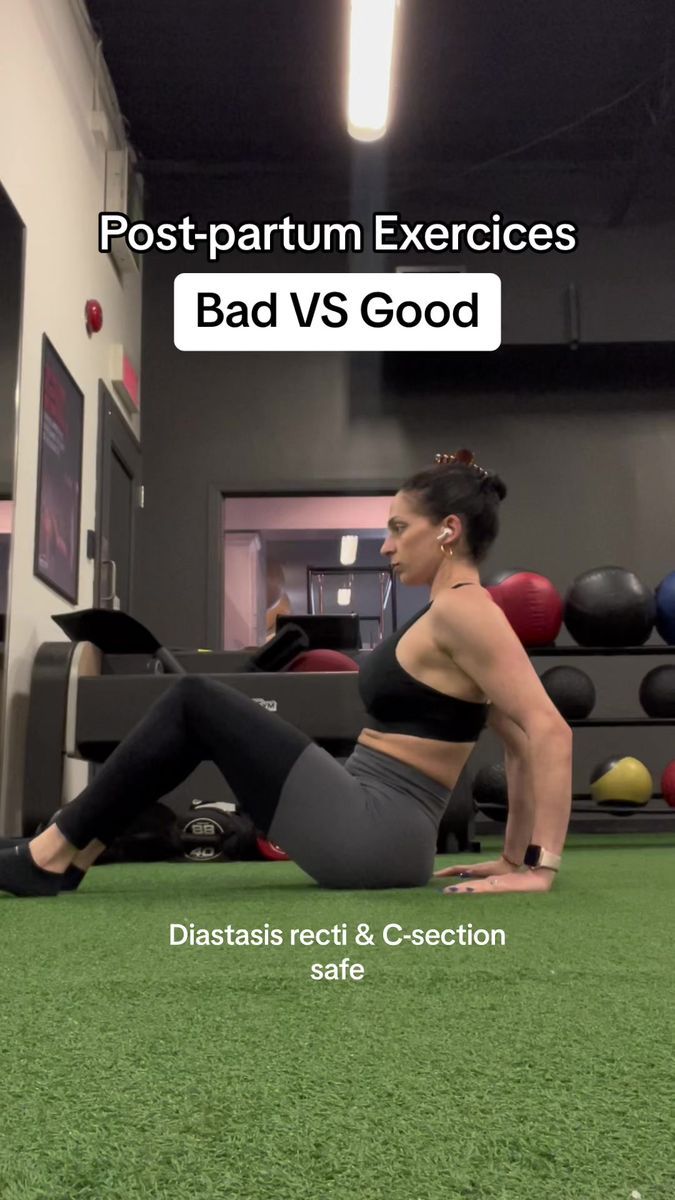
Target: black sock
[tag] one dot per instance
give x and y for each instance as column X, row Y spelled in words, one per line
column 22, row 877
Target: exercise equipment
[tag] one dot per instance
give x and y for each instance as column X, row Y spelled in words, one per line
column 490, row 792
column 668, row 784
column 152, row 837
column 216, row 831
column 571, row 690
column 115, row 632
column 497, row 577
column 270, row 850
column 609, row 606
column 532, row 605
column 326, row 631
column 456, row 828
column 322, row 660
column 657, row 692
column 665, row 609
column 621, row 783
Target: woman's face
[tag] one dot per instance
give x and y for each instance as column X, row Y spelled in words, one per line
column 411, row 544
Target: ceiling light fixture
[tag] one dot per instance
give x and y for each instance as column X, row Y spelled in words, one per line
column 348, row 549
column 371, row 51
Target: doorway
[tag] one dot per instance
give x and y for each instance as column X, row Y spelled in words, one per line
column 285, row 555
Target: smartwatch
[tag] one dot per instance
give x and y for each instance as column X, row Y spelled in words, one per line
column 536, row 857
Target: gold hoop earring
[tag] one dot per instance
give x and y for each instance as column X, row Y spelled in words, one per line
column 445, row 551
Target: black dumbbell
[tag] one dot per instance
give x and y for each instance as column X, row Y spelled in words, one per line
column 215, row 832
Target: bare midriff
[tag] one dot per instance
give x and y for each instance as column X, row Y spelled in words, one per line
column 442, row 761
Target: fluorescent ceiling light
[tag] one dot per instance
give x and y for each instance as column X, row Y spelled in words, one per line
column 371, row 49
column 348, row 549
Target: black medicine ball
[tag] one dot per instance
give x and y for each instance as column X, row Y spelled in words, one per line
column 609, row 606
column 657, row 692
column 571, row 690
column 490, row 792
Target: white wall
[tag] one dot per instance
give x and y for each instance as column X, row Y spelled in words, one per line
column 53, row 171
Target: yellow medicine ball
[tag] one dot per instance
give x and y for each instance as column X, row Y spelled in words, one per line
column 623, row 782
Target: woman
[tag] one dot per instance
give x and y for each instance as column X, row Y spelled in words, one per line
column 372, row 822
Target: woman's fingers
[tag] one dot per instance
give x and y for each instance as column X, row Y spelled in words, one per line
column 532, row 881
column 479, row 869
column 453, row 871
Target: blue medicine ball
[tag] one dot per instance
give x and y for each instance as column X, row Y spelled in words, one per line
column 665, row 609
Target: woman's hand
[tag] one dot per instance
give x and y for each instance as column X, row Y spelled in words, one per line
column 540, row 880
column 499, row 866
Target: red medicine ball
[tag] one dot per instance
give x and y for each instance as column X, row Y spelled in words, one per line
column 323, row 660
column 668, row 784
column 532, row 605
column 270, row 850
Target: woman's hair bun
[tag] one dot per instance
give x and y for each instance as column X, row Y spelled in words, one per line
column 494, row 485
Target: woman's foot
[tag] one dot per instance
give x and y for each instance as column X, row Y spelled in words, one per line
column 20, row 875
column 40, row 866
column 70, row 879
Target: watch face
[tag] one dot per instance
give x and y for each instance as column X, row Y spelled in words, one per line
column 532, row 856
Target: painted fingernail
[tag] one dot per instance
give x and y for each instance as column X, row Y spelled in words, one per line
column 451, row 889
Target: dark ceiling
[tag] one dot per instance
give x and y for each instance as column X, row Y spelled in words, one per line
column 481, row 88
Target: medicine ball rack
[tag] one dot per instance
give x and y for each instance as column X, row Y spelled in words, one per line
column 665, row 817
column 575, row 651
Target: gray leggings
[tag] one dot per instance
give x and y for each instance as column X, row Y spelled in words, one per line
column 370, row 823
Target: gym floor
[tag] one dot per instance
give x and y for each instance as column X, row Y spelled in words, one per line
column 541, row 1069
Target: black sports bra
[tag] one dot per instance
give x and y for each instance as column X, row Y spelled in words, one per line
column 398, row 703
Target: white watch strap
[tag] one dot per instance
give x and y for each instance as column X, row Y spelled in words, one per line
column 551, row 862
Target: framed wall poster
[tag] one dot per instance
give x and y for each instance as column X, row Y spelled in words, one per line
column 59, row 484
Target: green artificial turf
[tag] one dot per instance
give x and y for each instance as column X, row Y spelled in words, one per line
column 542, row 1070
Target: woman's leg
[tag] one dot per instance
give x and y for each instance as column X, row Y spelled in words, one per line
column 341, row 830
column 197, row 719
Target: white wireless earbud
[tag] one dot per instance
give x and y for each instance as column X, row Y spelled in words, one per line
column 443, row 537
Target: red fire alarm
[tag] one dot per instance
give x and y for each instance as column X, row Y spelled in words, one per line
column 94, row 316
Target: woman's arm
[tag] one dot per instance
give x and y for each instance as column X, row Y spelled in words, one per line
column 535, row 771
column 520, row 821
column 538, row 741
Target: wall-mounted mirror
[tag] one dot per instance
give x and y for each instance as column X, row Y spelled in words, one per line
column 11, row 305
